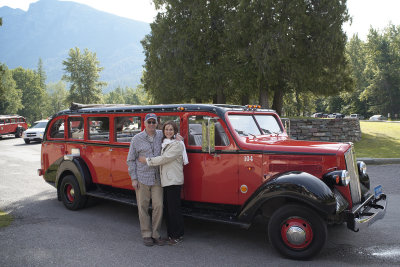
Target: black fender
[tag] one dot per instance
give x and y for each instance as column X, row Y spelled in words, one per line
column 300, row 187
column 79, row 169
column 19, row 128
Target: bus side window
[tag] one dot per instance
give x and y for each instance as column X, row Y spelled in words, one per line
column 99, row 128
column 163, row 119
column 221, row 138
column 57, row 129
column 195, row 132
column 76, row 129
column 126, row 127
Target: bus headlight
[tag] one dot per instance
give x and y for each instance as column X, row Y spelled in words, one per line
column 362, row 167
column 341, row 177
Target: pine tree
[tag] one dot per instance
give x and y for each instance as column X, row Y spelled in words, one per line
column 82, row 73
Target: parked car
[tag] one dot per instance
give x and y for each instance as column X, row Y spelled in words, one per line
column 35, row 133
column 317, row 115
column 377, row 118
column 338, row 115
column 12, row 124
column 357, row 116
column 335, row 116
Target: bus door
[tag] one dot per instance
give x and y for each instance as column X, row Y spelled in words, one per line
column 125, row 127
column 210, row 176
column 96, row 150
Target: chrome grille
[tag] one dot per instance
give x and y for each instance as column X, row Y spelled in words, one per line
column 351, row 165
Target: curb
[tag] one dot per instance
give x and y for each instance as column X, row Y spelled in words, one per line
column 377, row 161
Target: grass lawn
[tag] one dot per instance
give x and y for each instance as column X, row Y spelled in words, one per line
column 5, row 219
column 378, row 140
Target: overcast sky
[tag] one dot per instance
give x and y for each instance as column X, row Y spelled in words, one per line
column 365, row 13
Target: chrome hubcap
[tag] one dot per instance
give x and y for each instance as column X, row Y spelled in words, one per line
column 70, row 192
column 296, row 235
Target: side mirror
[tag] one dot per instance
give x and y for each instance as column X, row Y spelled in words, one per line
column 286, row 124
column 208, row 135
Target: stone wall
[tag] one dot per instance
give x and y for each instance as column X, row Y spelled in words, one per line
column 335, row 130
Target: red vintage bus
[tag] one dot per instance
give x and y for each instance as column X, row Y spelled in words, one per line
column 242, row 165
column 12, row 124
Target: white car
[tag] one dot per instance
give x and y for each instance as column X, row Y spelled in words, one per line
column 377, row 118
column 357, row 116
column 35, row 133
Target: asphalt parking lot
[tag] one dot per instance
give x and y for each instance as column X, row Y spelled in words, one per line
column 44, row 233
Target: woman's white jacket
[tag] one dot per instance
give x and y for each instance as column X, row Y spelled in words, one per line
column 171, row 164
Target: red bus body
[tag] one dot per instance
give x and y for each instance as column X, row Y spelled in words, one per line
column 12, row 124
column 241, row 177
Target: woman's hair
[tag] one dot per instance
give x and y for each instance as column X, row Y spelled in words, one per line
column 173, row 124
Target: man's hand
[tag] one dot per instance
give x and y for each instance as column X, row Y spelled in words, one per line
column 142, row 159
column 179, row 137
column 135, row 184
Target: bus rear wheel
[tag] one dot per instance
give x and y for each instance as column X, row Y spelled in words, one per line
column 71, row 194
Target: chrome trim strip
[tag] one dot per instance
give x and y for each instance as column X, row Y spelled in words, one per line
column 351, row 166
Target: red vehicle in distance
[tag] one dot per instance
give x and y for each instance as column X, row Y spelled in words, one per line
column 242, row 165
column 12, row 124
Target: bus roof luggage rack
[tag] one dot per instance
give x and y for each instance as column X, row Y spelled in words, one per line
column 76, row 106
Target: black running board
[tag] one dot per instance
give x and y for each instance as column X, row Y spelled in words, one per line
column 197, row 213
column 118, row 197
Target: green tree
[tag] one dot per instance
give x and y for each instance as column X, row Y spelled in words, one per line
column 127, row 96
column 185, row 54
column 137, row 96
column 357, row 56
column 382, row 71
column 115, row 97
column 236, row 51
column 42, row 74
column 132, row 96
column 82, row 73
column 296, row 46
column 299, row 104
column 57, row 97
column 33, row 95
column 10, row 96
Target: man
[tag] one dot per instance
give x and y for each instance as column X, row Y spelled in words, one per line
column 146, row 180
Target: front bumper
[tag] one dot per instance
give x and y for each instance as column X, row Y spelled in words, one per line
column 34, row 139
column 368, row 212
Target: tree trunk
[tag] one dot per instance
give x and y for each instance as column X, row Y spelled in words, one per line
column 263, row 98
column 278, row 101
column 298, row 104
column 219, row 97
column 245, row 100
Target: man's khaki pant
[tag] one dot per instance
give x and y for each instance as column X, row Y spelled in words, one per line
column 145, row 193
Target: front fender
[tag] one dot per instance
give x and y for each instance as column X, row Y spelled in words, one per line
column 79, row 169
column 301, row 187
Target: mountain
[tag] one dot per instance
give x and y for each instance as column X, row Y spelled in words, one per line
column 50, row 28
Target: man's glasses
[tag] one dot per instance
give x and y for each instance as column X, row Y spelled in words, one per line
column 151, row 122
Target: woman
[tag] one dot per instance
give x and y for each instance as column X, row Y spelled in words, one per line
column 173, row 157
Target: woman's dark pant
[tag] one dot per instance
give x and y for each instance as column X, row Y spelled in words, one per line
column 172, row 211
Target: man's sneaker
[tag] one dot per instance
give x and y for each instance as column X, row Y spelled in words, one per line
column 159, row 241
column 174, row 241
column 148, row 241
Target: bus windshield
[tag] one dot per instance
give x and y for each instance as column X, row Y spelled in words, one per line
column 254, row 125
